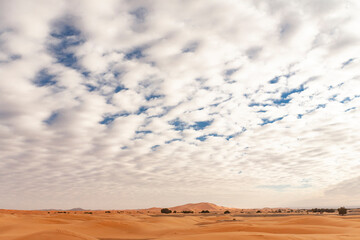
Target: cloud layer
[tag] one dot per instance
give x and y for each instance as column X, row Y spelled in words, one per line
column 246, row 104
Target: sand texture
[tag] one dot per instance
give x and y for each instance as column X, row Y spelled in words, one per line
column 41, row 225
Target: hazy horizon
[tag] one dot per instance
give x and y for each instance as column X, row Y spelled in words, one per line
column 133, row 104
column 172, row 206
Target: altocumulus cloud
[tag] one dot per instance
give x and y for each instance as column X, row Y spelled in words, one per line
column 105, row 104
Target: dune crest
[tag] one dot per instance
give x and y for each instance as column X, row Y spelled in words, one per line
column 56, row 235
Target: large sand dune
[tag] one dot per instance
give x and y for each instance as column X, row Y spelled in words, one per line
column 75, row 225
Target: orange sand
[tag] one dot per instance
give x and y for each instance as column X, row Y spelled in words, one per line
column 39, row 225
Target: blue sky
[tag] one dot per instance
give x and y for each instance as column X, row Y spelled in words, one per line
column 240, row 103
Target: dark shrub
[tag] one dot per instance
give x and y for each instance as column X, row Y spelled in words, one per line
column 187, row 211
column 166, row 210
column 342, row 211
column 322, row 210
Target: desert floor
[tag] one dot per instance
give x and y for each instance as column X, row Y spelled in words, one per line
column 114, row 226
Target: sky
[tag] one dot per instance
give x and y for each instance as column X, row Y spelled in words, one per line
column 134, row 104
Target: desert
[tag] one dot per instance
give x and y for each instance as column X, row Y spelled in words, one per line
column 179, row 120
column 152, row 224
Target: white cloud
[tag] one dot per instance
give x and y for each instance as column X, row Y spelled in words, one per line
column 186, row 99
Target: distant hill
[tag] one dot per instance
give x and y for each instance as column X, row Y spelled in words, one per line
column 76, row 209
column 54, row 209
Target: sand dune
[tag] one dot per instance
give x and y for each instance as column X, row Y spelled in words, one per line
column 196, row 207
column 37, row 225
column 199, row 207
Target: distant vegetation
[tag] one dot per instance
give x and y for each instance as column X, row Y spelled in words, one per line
column 166, row 210
column 322, row 210
column 227, row 212
column 342, row 211
column 187, row 211
column 88, row 213
column 205, row 211
column 107, row 212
